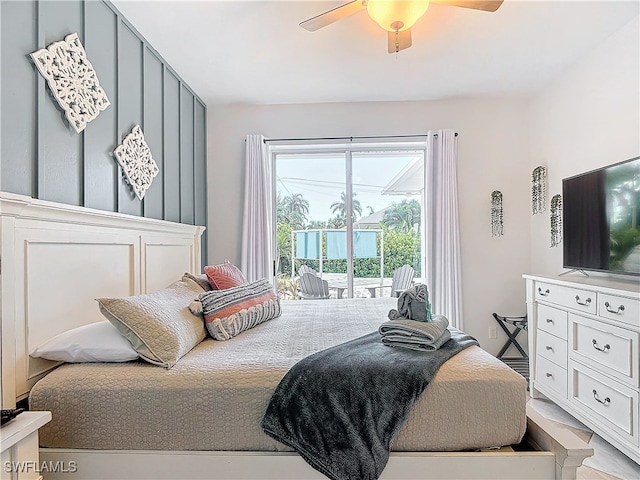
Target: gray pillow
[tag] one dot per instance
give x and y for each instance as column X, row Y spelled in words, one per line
column 201, row 280
column 158, row 325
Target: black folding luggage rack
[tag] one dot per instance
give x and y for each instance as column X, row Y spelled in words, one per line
column 519, row 364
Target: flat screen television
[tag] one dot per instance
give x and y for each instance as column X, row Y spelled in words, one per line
column 601, row 219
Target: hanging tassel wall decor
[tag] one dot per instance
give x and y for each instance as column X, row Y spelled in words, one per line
column 556, row 220
column 497, row 217
column 538, row 189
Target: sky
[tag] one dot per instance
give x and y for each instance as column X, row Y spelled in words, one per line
column 321, row 179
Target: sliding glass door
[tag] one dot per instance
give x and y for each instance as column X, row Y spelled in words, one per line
column 346, row 219
column 387, row 198
column 308, row 198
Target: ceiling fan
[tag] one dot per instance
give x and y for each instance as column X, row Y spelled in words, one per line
column 396, row 17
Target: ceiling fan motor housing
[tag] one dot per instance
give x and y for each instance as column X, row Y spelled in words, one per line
column 396, row 16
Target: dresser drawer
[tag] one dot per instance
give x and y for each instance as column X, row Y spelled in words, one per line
column 552, row 348
column 621, row 309
column 611, row 350
column 606, row 401
column 551, row 376
column 552, row 321
column 569, row 297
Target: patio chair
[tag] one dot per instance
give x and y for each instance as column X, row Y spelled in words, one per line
column 306, row 269
column 312, row 287
column 402, row 278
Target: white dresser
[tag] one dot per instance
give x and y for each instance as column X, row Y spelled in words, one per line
column 583, row 342
column 19, row 446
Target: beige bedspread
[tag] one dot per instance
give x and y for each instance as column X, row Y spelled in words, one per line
column 214, row 397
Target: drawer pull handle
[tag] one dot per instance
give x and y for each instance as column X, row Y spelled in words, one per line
column 549, row 320
column 620, row 308
column 604, row 349
column 545, row 293
column 585, row 303
column 606, row 401
column 551, row 375
column 549, row 347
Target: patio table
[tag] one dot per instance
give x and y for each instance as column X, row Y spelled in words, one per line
column 339, row 282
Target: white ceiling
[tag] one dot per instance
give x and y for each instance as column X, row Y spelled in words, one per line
column 255, row 52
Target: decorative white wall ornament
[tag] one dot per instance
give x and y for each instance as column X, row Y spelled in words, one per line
column 72, row 80
column 138, row 166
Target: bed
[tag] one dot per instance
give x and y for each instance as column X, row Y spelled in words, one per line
column 211, row 430
column 214, row 397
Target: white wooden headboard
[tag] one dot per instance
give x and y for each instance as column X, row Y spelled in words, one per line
column 57, row 259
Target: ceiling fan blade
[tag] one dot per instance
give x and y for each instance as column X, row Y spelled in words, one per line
column 331, row 16
column 486, row 5
column 399, row 42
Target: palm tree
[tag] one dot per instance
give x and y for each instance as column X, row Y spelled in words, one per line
column 281, row 211
column 313, row 224
column 297, row 203
column 403, row 216
column 336, row 222
column 292, row 209
column 340, row 208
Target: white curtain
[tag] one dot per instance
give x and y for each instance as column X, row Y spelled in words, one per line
column 442, row 227
column 257, row 227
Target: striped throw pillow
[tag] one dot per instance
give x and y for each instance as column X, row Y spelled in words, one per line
column 232, row 311
column 224, row 276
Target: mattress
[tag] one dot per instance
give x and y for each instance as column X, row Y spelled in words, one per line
column 214, row 397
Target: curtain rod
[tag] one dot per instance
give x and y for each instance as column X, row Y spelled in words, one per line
column 266, row 140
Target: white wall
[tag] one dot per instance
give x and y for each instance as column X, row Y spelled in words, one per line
column 588, row 118
column 493, row 154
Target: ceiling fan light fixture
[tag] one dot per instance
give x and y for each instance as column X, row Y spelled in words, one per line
column 396, row 16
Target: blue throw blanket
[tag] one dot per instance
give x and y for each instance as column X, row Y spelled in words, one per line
column 341, row 408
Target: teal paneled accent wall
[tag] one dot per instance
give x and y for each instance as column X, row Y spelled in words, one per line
column 41, row 154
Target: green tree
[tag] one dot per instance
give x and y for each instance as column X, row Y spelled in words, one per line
column 403, row 217
column 316, row 224
column 281, row 211
column 336, row 222
column 284, row 247
column 401, row 248
column 340, row 208
column 292, row 209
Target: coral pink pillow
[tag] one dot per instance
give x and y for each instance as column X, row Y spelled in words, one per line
column 224, row 276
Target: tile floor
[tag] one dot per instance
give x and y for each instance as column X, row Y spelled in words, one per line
column 607, row 463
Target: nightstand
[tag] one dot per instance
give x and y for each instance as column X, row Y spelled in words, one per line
column 19, row 445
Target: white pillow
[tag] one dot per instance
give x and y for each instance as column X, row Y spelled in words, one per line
column 96, row 342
